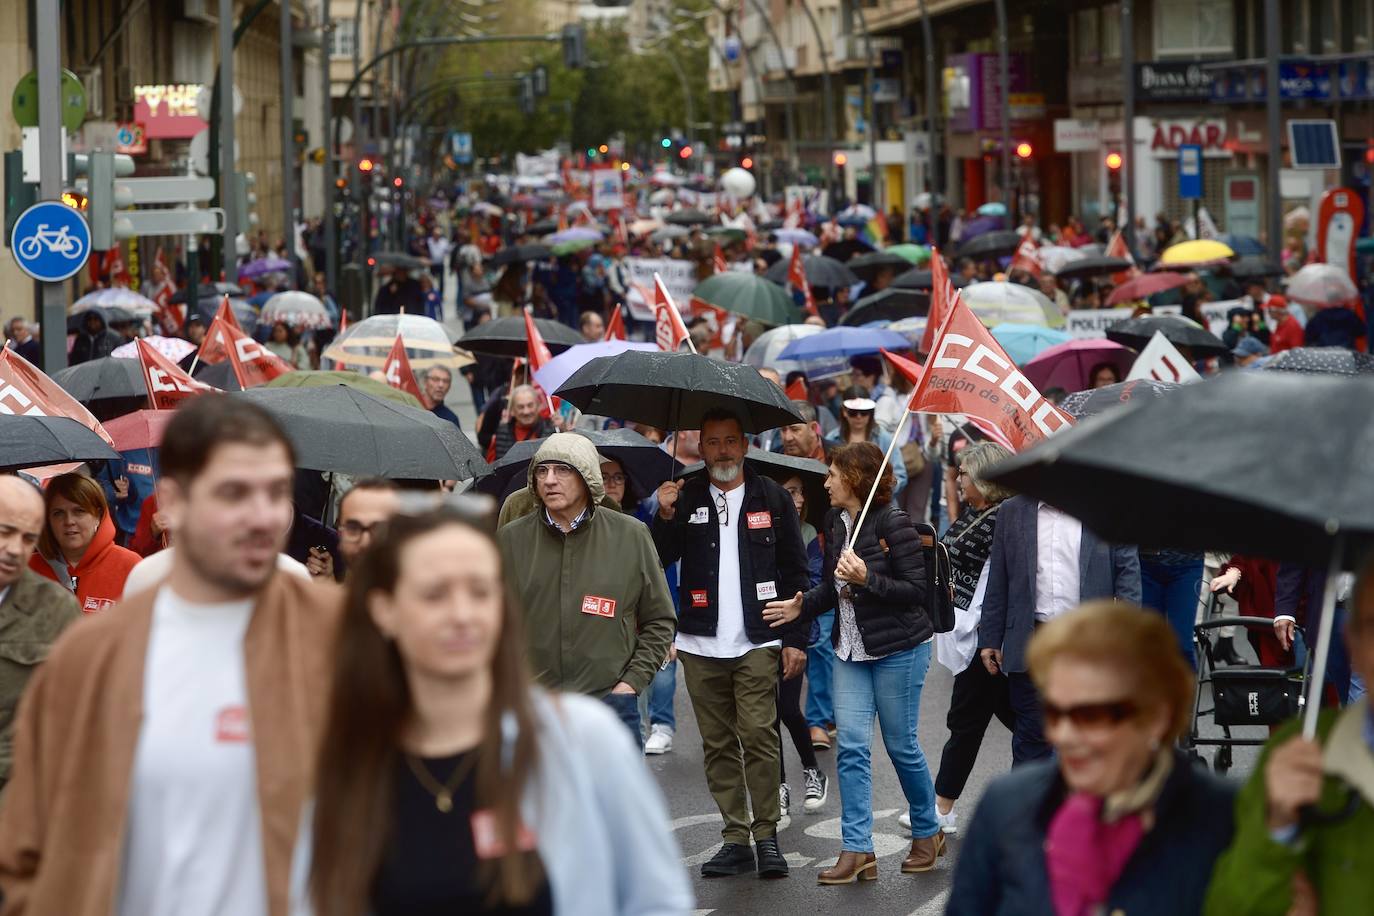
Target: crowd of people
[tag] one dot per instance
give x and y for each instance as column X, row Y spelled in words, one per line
column 205, row 689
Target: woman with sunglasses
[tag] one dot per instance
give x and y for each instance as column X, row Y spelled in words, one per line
column 1120, row 821
column 858, row 423
column 446, row 782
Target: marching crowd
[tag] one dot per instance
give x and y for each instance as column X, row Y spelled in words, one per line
column 200, row 707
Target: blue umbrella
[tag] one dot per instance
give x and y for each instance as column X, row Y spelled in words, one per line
column 559, row 369
column 844, row 341
column 996, row 208
column 1243, row 245
column 575, row 234
column 1024, row 342
column 796, row 237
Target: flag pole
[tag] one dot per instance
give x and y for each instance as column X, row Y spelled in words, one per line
column 887, row 457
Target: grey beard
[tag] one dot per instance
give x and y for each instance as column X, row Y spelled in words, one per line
column 724, row 473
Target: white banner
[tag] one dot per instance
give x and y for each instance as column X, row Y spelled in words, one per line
column 680, row 277
column 1161, row 361
column 608, row 189
column 538, row 165
column 1087, row 323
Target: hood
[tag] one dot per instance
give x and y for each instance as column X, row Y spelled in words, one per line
column 104, row 537
column 104, row 326
column 574, row 450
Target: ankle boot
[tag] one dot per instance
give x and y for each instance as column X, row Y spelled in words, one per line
column 923, row 854
column 851, row 867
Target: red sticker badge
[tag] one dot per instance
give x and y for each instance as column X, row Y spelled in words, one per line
column 486, row 841
column 759, row 520
column 231, row 725
column 598, row 606
column 699, row 598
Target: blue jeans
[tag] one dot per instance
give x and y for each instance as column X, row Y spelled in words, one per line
column 820, row 662
column 1171, row 589
column 889, row 688
column 660, row 694
column 626, row 706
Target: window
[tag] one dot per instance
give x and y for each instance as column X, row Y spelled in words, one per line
column 1087, row 38
column 1111, row 31
column 343, row 37
column 1193, row 27
column 1358, row 31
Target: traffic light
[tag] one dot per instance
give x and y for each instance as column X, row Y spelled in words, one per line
column 666, row 142
column 366, row 166
column 104, row 195
column 840, row 159
column 685, row 153
column 591, row 152
column 75, row 199
column 746, row 163
column 1024, row 150
column 527, row 95
column 540, row 77
column 1114, row 161
column 574, row 46
column 398, row 181
column 603, row 149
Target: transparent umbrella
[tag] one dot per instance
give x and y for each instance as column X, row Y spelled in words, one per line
column 368, row 343
column 1321, row 286
column 296, row 309
column 999, row 302
column 114, row 297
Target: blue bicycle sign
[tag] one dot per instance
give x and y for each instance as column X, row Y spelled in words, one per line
column 50, row 241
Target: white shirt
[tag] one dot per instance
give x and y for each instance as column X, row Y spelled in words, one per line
column 730, row 640
column 193, row 843
column 155, row 567
column 1057, row 540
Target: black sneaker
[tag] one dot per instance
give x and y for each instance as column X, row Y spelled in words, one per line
column 732, row 859
column 817, row 788
column 771, row 862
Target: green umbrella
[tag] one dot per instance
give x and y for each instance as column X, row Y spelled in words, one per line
column 916, row 254
column 727, row 232
column 750, row 295
column 567, row 248
column 319, row 379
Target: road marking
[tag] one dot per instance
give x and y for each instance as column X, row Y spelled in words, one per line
column 934, row 905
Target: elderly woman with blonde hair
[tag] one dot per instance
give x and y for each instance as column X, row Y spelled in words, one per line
column 1119, row 820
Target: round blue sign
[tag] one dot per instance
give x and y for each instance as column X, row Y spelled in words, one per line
column 50, row 241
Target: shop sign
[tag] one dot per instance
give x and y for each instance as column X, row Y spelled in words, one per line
column 168, row 111
column 1209, row 134
column 1167, row 81
column 1072, row 135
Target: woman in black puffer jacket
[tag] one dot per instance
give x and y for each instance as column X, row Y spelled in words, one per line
column 882, row 650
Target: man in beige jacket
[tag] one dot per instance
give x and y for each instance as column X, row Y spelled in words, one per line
column 163, row 752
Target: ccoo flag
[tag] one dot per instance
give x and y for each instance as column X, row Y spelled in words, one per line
column 669, row 330
column 796, row 278
column 168, row 384
column 398, row 373
column 941, row 300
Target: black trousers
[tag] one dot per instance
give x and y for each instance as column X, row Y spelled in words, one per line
column 977, row 697
column 790, row 716
column 1028, row 735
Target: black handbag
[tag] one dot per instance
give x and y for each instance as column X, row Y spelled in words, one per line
column 1257, row 696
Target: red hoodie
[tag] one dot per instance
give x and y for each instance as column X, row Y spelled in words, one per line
column 101, row 573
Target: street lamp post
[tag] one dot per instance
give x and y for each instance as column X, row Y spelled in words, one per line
column 331, row 221
column 829, row 109
column 1004, row 79
column 876, row 184
column 288, row 135
column 1274, row 123
column 1128, row 121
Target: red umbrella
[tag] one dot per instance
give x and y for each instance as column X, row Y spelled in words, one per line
column 1145, row 286
column 140, row 429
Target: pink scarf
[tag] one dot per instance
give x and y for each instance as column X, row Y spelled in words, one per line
column 1085, row 855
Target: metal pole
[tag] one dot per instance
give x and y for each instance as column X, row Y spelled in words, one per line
column 793, row 158
column 288, row 136
column 1274, row 124
column 226, row 145
column 354, row 179
column 876, row 183
column 1128, row 121
column 687, row 98
column 1004, row 79
column 832, row 172
column 52, row 298
column 937, row 162
column 331, row 219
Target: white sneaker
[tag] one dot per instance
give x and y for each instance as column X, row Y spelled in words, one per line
column 949, row 823
column 784, row 797
column 660, row 740
column 817, row 788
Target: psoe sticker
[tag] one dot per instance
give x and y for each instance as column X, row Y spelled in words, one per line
column 598, row 606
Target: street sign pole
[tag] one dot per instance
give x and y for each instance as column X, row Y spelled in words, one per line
column 331, row 225
column 288, row 138
column 226, row 148
column 53, row 307
column 1190, row 180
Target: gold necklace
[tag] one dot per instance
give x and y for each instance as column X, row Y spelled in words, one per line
column 442, row 792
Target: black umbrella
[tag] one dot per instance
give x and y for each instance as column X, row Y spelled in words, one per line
column 673, row 390
column 920, row 279
column 100, row 379
column 989, row 245
column 33, row 441
column 517, row 254
column 339, row 428
column 542, row 227
column 506, row 336
column 780, row 467
column 1255, row 267
column 1095, row 400
column 1136, row 333
column 220, row 375
column 400, row 259
column 846, row 249
column 688, row 218
column 208, row 291
column 891, row 304
column 867, row 266
column 641, row 458
column 112, row 314
column 769, row 225
column 821, row 271
column 1093, row 266
column 1322, row 360
column 1263, row 463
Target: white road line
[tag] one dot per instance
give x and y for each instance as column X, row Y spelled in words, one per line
column 934, row 905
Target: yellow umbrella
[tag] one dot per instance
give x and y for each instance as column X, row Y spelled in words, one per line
column 1198, row 251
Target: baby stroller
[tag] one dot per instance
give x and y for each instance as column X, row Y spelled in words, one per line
column 1241, row 695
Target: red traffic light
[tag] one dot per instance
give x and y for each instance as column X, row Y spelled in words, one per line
column 746, row 163
column 1024, row 150
column 366, row 165
column 685, row 152
column 841, row 159
column 1114, row 161
column 398, row 181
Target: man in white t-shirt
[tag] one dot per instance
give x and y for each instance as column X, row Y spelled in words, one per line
column 165, row 751
column 739, row 539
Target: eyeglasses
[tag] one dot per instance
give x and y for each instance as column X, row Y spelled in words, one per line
column 1090, row 715
column 723, row 510
column 354, row 531
column 615, row 480
column 560, row 471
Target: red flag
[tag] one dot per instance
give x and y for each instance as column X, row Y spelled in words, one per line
column 1027, row 258
column 909, row 368
column 252, row 364
column 539, row 355
column 168, row 384
column 941, row 300
column 796, row 278
column 398, row 373
column 1117, row 248
column 562, row 219
column 669, row 330
column 26, row 391
column 796, row 391
column 615, row 328
column 970, row 373
column 621, row 233
column 718, row 260
column 214, row 349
